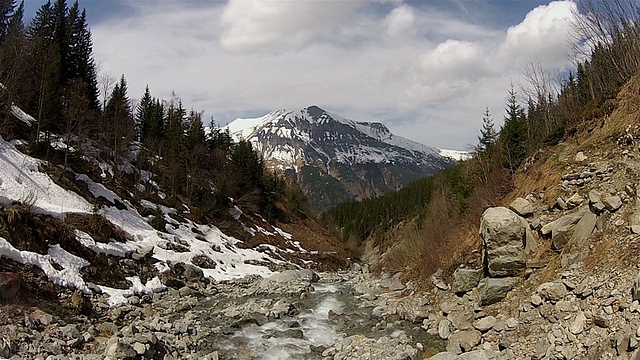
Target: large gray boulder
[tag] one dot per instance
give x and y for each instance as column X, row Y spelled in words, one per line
column 562, row 229
column 503, row 234
column 464, row 341
column 495, row 290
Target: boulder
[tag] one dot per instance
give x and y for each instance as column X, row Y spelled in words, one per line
column 444, row 329
column 583, row 229
column 596, row 203
column 9, row 286
column 562, row 229
column 575, row 200
column 466, row 279
column 119, row 350
column 463, row 341
column 530, row 242
column 495, row 290
column 612, row 203
column 552, row 291
column 503, row 235
column 521, row 207
column 179, row 274
column 485, row 324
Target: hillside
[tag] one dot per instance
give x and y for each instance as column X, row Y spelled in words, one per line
column 334, row 159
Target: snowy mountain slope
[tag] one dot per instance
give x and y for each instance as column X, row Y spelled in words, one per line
column 457, row 155
column 33, row 194
column 335, row 159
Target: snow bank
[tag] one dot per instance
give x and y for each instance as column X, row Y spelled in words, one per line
column 21, row 180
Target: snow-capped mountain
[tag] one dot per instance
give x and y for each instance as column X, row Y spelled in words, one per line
column 336, row 159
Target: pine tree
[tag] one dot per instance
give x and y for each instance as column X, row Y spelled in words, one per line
column 6, row 13
column 488, row 134
column 119, row 118
column 513, row 136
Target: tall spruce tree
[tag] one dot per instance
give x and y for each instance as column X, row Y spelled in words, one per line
column 488, row 133
column 6, row 13
column 513, row 136
column 119, row 118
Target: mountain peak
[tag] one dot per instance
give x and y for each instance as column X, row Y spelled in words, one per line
column 357, row 159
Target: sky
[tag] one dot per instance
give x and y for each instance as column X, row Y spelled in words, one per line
column 426, row 69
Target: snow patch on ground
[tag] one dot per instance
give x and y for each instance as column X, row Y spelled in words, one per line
column 22, row 181
column 457, row 155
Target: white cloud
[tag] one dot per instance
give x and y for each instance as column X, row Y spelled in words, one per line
column 400, row 21
column 250, row 25
column 362, row 59
column 455, row 71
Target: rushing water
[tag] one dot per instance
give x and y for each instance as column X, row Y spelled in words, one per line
column 295, row 337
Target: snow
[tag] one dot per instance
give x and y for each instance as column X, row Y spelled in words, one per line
column 69, row 276
column 21, row 115
column 119, row 296
column 457, row 155
column 22, row 181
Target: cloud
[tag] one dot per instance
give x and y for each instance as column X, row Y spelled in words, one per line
column 457, row 70
column 425, row 73
column 250, row 25
column 400, row 21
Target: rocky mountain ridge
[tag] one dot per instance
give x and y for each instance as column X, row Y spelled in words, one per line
column 334, row 159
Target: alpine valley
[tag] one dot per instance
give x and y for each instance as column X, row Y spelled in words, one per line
column 334, row 159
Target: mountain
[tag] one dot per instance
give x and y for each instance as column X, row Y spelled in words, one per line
column 334, row 159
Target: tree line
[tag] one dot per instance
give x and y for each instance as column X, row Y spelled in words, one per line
column 47, row 68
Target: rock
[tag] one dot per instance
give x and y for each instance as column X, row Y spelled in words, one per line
column 139, row 348
column 583, row 229
column 180, row 273
column 594, row 200
column 437, row 280
column 485, row 324
column 42, row 317
column 578, row 324
column 503, row 235
column 601, row 321
column 530, row 243
column 393, row 283
column 9, row 286
column 561, row 204
column 289, row 276
column 580, row 157
column 575, row 200
column 635, row 291
column 562, row 229
column 444, row 330
column 612, row 203
column 536, row 300
column 495, row 290
column 552, row 291
column 81, row 302
column 521, row 207
column 463, row 341
column 119, row 350
column 466, row 279
column 107, row 328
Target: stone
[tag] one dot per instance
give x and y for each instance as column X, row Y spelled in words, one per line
column 601, row 321
column 466, row 279
column 495, row 290
column 81, row 302
column 9, row 286
column 521, row 207
column 119, row 350
column 42, row 317
column 552, row 291
column 561, row 204
column 536, row 300
column 437, row 279
column 463, row 341
column 562, row 229
column 578, row 324
column 530, row 242
column 444, row 329
column 139, row 348
column 575, row 200
column 612, row 203
column 635, row 291
column 485, row 324
column 583, row 229
column 306, row 276
column 580, row 157
column 503, row 236
column 634, row 220
column 594, row 200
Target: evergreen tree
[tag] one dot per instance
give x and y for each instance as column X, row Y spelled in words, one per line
column 6, row 13
column 16, row 23
column 513, row 136
column 488, row 134
column 119, row 118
